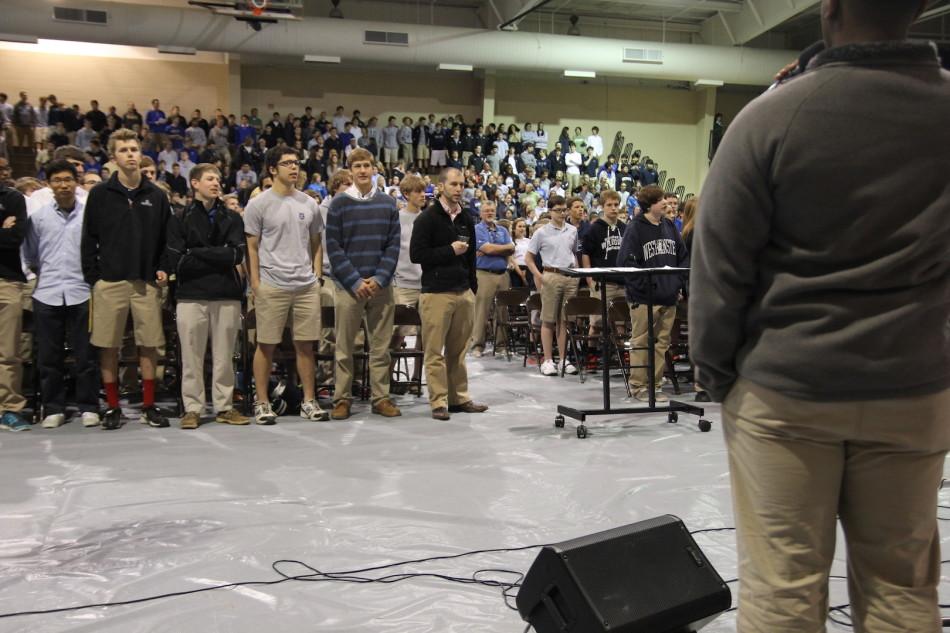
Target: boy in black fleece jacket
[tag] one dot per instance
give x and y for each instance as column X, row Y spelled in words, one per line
column 204, row 249
column 123, row 242
column 12, row 232
column 652, row 241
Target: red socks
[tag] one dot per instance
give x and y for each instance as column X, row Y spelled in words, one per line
column 112, row 394
column 148, row 393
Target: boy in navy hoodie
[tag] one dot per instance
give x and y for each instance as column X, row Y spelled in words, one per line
column 652, row 241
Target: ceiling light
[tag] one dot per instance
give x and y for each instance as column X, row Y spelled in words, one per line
column 176, row 50
column 709, row 83
column 583, row 74
column 460, row 67
column 321, row 59
column 19, row 39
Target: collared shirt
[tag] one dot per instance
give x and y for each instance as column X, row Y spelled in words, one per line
column 451, row 210
column 557, row 246
column 354, row 192
column 52, row 247
column 494, row 234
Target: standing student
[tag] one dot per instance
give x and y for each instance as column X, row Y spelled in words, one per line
column 284, row 266
column 407, row 280
column 205, row 247
column 600, row 246
column 818, row 317
column 13, row 227
column 556, row 243
column 123, row 241
column 363, row 247
column 651, row 240
column 61, row 299
column 442, row 242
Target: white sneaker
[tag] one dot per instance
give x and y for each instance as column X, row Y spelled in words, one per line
column 643, row 395
column 310, row 410
column 53, row 421
column 476, row 352
column 548, row 368
column 263, row 414
column 569, row 368
column 90, row 418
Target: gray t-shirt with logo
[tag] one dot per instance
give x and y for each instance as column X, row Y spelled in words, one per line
column 285, row 226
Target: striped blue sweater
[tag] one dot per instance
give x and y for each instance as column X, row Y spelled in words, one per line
column 362, row 238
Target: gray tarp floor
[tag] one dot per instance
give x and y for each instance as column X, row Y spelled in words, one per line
column 93, row 516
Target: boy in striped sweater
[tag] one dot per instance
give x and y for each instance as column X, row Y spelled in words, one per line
column 363, row 235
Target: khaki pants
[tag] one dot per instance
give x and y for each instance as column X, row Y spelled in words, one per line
column 614, row 291
column 195, row 320
column 488, row 286
column 796, row 465
column 349, row 314
column 662, row 327
column 446, row 326
column 11, row 364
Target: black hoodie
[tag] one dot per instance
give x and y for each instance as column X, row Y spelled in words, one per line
column 123, row 232
column 203, row 254
column 648, row 245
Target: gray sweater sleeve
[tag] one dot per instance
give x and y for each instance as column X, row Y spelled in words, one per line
column 732, row 229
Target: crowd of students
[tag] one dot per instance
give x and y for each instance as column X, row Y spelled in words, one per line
column 104, row 241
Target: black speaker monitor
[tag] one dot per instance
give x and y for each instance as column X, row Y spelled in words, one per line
column 647, row 577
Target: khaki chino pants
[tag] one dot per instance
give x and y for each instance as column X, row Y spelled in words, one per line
column 447, row 319
column 795, row 467
column 350, row 311
column 196, row 319
column 489, row 284
column 663, row 317
column 11, row 363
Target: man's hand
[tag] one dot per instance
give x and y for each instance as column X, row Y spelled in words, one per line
column 592, row 285
column 364, row 290
column 374, row 286
column 460, row 247
column 9, row 222
column 161, row 278
column 538, row 281
column 782, row 74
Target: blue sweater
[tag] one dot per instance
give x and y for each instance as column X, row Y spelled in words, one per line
column 362, row 239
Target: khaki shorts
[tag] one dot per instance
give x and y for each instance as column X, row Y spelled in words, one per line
column 438, row 158
column 406, row 297
column 273, row 307
column 111, row 302
column 390, row 154
column 556, row 289
column 422, row 152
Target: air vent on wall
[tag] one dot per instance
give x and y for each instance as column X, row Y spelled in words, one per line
column 86, row 16
column 389, row 38
column 643, row 55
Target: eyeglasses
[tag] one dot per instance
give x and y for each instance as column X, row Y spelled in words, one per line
column 287, row 163
column 62, row 181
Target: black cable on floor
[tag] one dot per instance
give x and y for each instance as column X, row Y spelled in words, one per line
column 315, row 575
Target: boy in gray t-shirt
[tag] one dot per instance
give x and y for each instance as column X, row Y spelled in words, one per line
column 285, row 260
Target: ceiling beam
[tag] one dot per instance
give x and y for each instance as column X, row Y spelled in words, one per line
column 755, row 18
column 679, row 6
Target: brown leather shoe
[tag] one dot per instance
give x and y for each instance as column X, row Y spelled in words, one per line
column 386, row 408
column 440, row 413
column 341, row 410
column 190, row 420
column 468, row 407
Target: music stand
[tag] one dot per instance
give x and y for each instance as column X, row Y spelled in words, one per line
column 673, row 407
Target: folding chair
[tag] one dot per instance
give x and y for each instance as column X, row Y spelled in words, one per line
column 519, row 318
column 577, row 312
column 408, row 316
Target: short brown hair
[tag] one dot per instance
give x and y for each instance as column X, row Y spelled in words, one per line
column 339, row 178
column 411, row 184
column 570, row 201
column 649, row 196
column 609, row 194
column 200, row 169
column 555, row 200
column 359, row 154
column 124, row 134
column 146, row 161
